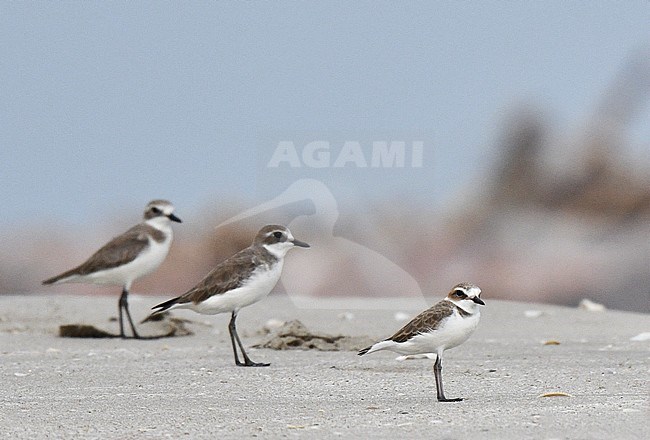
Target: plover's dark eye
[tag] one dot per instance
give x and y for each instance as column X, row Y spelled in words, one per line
column 155, row 210
column 277, row 234
column 460, row 294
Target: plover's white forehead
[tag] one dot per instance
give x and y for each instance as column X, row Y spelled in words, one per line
column 473, row 291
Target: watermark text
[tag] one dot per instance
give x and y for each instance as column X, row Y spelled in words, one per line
column 353, row 154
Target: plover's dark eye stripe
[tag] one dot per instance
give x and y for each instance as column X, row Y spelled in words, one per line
column 155, row 210
column 277, row 234
column 460, row 294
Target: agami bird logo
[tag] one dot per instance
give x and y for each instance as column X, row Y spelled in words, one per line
column 335, row 266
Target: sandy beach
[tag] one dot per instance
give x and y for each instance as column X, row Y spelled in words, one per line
column 189, row 387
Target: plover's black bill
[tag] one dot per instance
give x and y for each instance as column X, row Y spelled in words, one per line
column 300, row 243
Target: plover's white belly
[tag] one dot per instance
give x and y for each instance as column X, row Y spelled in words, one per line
column 453, row 332
column 148, row 261
column 258, row 286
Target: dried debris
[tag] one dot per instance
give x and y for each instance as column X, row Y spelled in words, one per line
column 293, row 335
column 164, row 325
column 555, row 394
column 169, row 325
column 551, row 342
column 83, row 331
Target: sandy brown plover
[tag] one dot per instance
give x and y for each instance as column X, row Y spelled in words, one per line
column 127, row 257
column 241, row 280
column 445, row 325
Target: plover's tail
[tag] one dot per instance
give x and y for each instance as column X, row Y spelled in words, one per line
column 164, row 306
column 377, row 346
column 65, row 276
column 364, row 351
column 158, row 309
column 51, row 280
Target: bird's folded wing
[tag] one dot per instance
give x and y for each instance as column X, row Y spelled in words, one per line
column 228, row 275
column 120, row 250
column 428, row 320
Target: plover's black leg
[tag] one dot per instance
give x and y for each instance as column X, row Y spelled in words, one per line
column 124, row 304
column 437, row 371
column 231, row 329
column 234, row 336
column 121, row 319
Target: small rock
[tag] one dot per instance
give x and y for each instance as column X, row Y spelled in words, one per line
column 401, row 316
column 272, row 324
column 533, row 313
column 645, row 336
column 590, row 306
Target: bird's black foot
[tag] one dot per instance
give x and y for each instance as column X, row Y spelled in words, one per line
column 234, row 337
column 444, row 399
column 250, row 363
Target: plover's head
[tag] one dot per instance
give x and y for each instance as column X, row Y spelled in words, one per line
column 158, row 211
column 467, row 296
column 277, row 240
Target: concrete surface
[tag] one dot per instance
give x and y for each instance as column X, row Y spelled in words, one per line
column 189, row 387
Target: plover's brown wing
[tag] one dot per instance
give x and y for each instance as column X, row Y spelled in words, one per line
column 228, row 275
column 119, row 251
column 426, row 321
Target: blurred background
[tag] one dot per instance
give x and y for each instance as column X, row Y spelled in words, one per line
column 525, row 129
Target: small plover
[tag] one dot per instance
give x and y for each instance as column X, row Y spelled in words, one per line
column 127, row 257
column 241, row 280
column 445, row 325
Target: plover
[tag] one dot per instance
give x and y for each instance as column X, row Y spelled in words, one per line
column 127, row 257
column 241, row 280
column 445, row 325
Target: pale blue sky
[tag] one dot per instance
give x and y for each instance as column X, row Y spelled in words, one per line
column 106, row 105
